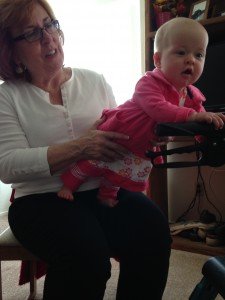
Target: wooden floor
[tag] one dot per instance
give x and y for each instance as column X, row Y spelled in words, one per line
column 180, row 243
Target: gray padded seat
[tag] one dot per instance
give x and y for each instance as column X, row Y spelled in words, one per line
column 11, row 249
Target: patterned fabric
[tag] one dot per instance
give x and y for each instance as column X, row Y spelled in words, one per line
column 130, row 167
column 76, row 172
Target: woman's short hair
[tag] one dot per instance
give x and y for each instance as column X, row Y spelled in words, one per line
column 15, row 12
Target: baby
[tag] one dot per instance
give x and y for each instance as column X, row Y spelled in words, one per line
column 165, row 94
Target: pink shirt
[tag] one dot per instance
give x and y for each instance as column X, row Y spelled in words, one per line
column 154, row 101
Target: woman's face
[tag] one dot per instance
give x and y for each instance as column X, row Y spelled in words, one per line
column 43, row 57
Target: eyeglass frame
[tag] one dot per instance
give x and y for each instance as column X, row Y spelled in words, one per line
column 40, row 29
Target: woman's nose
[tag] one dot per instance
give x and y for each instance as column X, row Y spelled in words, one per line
column 45, row 35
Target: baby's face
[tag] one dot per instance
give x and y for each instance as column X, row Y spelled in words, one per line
column 182, row 60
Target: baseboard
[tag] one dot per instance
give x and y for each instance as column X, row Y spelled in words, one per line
column 3, row 213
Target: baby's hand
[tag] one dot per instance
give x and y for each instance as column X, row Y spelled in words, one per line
column 161, row 141
column 217, row 119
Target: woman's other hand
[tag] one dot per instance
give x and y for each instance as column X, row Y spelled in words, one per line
column 95, row 144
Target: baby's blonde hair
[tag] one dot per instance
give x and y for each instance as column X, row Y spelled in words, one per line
column 174, row 26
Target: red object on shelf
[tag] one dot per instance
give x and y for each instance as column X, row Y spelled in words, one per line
column 162, row 17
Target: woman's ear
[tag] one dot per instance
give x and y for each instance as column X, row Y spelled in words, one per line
column 19, row 67
column 157, row 59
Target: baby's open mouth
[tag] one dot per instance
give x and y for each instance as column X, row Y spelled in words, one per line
column 187, row 72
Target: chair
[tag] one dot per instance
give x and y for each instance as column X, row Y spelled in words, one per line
column 213, row 282
column 11, row 249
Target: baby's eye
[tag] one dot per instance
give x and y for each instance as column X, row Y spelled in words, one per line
column 199, row 55
column 180, row 52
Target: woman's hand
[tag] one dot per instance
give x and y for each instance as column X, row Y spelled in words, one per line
column 217, row 119
column 95, row 144
column 101, row 145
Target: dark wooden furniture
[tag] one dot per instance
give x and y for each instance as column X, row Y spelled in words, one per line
column 215, row 27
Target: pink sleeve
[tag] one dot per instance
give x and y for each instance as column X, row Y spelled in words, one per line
column 149, row 94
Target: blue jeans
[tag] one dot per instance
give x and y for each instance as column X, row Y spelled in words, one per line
column 77, row 239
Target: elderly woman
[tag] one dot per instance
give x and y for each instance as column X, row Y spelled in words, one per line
column 48, row 120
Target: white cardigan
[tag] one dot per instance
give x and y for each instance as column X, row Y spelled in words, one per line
column 29, row 123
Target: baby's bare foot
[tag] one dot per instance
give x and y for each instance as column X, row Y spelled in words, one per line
column 66, row 194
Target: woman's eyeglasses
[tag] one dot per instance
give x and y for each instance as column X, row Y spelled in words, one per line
column 37, row 33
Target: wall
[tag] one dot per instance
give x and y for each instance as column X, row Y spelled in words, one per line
column 5, row 192
column 182, row 185
column 104, row 36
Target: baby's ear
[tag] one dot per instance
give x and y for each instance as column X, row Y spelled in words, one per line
column 157, row 59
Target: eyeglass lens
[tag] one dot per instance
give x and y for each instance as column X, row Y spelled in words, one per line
column 37, row 33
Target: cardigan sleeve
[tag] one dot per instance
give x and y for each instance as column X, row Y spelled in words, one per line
column 19, row 162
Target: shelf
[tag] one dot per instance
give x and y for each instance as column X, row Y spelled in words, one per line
column 214, row 26
column 180, row 243
column 151, row 34
column 216, row 20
